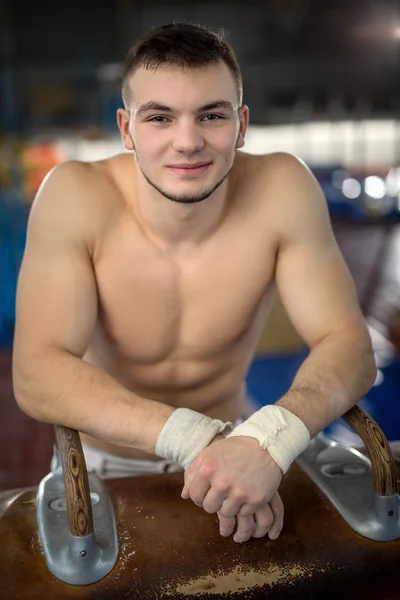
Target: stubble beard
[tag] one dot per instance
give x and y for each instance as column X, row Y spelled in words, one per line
column 185, row 198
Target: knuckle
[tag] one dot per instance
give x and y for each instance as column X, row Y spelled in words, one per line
column 277, row 508
column 206, row 470
column 221, row 485
column 245, row 521
column 227, row 525
column 238, row 495
column 245, row 532
column 264, row 521
column 222, row 518
column 226, row 521
column 257, row 499
column 246, row 510
column 196, row 498
column 278, row 515
column 227, row 514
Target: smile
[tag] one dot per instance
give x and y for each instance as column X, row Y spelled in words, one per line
column 189, row 171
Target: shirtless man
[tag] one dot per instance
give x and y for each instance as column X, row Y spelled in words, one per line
column 148, row 277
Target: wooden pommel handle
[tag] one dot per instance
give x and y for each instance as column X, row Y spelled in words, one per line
column 77, row 492
column 378, row 449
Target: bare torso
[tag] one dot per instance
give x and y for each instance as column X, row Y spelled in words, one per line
column 182, row 328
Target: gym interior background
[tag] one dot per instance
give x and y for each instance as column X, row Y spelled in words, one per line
column 322, row 80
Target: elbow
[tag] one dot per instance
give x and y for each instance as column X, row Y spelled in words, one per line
column 25, row 392
column 368, row 366
column 370, row 369
column 363, row 363
column 25, row 401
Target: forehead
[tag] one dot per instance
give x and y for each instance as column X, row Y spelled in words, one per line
column 194, row 86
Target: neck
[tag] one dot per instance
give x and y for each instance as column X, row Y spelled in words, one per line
column 174, row 224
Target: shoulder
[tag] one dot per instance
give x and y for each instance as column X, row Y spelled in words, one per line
column 76, row 194
column 288, row 199
column 278, row 167
column 76, row 180
column 286, row 185
column 275, row 172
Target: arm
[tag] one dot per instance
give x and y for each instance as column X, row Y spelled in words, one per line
column 320, row 299
column 56, row 315
column 319, row 296
column 243, row 472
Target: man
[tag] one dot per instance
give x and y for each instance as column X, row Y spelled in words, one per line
column 147, row 280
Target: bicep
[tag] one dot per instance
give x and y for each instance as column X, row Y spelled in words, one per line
column 56, row 295
column 313, row 280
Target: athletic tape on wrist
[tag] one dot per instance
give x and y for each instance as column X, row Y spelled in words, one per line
column 277, row 430
column 186, row 434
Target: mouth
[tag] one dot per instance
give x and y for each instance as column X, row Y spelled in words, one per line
column 188, row 169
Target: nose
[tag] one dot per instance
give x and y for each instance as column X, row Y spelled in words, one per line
column 188, row 138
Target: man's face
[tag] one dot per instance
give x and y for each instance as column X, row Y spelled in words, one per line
column 185, row 126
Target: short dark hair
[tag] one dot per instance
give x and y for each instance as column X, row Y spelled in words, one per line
column 180, row 45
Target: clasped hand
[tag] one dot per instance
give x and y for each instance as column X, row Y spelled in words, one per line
column 238, row 480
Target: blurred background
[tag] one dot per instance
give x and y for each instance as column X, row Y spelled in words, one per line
column 322, row 80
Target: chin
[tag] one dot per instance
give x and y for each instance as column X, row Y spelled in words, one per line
column 187, row 192
column 187, row 197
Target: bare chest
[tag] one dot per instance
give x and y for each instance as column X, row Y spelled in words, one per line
column 153, row 309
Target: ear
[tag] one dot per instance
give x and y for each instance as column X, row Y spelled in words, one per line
column 123, row 125
column 243, row 124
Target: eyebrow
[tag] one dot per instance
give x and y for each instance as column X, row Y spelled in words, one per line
column 152, row 105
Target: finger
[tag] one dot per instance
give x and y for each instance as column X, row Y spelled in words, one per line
column 226, row 526
column 250, row 508
column 185, row 490
column 198, row 490
column 245, row 528
column 233, row 502
column 197, row 481
column 277, row 508
column 193, row 480
column 264, row 520
column 186, row 487
column 188, row 476
column 215, row 498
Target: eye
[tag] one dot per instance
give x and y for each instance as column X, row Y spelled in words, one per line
column 212, row 117
column 158, row 119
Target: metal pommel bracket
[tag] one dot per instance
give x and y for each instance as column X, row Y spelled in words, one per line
column 362, row 489
column 75, row 516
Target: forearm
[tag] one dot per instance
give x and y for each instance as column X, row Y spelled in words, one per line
column 60, row 388
column 334, row 377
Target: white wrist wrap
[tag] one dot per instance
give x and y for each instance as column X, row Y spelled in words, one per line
column 277, row 430
column 186, row 434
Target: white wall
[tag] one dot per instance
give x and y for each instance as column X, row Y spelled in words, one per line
column 353, row 144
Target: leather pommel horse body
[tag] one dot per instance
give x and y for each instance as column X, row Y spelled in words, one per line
column 135, row 538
